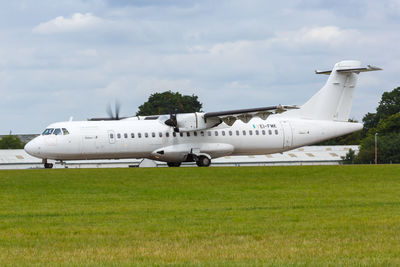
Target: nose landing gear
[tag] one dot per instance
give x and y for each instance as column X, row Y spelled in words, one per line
column 47, row 165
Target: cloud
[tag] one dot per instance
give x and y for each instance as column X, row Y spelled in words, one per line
column 312, row 37
column 78, row 22
column 326, row 35
column 87, row 53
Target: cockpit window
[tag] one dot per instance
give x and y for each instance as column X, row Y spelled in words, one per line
column 57, row 131
column 65, row 131
column 48, row 131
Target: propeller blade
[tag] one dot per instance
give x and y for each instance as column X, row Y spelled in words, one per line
column 109, row 111
column 117, row 109
column 172, row 122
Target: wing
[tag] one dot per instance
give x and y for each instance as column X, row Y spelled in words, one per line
column 245, row 115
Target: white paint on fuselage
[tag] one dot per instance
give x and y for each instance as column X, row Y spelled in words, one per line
column 91, row 139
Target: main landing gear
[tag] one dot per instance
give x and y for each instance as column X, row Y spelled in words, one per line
column 174, row 164
column 47, row 165
column 203, row 161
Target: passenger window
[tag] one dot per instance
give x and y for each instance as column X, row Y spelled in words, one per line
column 257, row 133
column 195, row 133
column 216, row 133
column 223, row 133
column 153, row 134
column 269, row 132
column 111, row 136
column 57, row 131
column 125, row 135
column 118, row 135
column 132, row 135
column 181, row 134
column 188, row 134
column 202, row 133
column 276, row 131
column 263, row 132
column 250, row 132
column 237, row 133
column 166, row 134
column 174, row 134
column 230, row 133
column 208, row 133
column 65, row 131
column 160, row 134
column 244, row 132
column 146, row 135
column 139, row 135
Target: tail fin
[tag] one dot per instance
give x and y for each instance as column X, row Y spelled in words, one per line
column 334, row 100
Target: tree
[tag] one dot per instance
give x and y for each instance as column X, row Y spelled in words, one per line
column 388, row 130
column 167, row 102
column 350, row 157
column 389, row 105
column 11, row 142
column 370, row 121
column 385, row 122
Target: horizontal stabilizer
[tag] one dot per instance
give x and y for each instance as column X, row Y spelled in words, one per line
column 349, row 70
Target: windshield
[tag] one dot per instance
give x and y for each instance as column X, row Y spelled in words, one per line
column 48, row 131
column 57, row 131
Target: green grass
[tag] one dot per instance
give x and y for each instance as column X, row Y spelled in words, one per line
column 312, row 215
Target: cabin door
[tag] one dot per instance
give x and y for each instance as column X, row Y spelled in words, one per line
column 287, row 134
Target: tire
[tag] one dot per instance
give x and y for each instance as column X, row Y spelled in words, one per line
column 174, row 164
column 48, row 165
column 203, row 161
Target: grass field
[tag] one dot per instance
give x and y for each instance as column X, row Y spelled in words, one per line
column 311, row 215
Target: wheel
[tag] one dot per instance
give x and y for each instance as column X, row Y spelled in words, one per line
column 174, row 164
column 48, row 165
column 203, row 161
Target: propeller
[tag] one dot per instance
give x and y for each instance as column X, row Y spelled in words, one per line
column 117, row 109
column 111, row 115
column 172, row 121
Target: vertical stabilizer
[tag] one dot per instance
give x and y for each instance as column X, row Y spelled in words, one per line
column 334, row 100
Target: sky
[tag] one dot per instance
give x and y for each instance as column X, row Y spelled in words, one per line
column 62, row 59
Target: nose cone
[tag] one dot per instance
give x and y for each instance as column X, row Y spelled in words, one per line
column 32, row 148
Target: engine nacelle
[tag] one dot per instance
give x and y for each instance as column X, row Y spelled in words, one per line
column 187, row 122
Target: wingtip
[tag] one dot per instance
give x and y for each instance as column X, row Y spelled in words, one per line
column 373, row 67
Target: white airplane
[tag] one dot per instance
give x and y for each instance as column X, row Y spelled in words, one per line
column 200, row 137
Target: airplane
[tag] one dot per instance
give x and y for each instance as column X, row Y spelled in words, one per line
column 202, row 136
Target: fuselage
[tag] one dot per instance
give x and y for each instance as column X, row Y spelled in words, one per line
column 153, row 139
